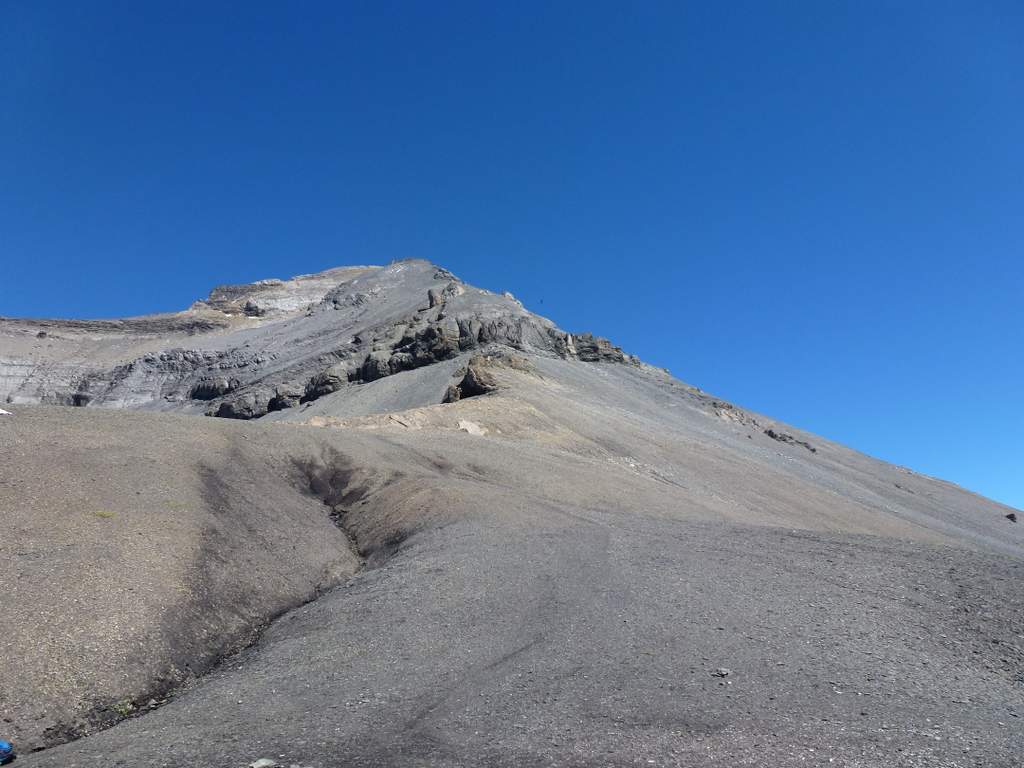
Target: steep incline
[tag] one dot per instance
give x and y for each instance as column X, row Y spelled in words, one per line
column 248, row 350
column 568, row 557
column 137, row 550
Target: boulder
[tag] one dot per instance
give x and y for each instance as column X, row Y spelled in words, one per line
column 477, row 379
column 250, row 405
column 330, row 380
column 438, row 296
column 285, row 396
column 212, row 388
column 376, row 366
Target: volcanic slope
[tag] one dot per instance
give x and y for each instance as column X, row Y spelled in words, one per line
column 501, row 544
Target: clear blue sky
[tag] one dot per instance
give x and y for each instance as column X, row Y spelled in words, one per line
column 814, row 209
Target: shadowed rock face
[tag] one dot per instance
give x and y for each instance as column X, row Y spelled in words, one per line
column 488, row 542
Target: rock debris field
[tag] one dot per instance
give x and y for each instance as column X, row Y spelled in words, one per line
column 379, row 517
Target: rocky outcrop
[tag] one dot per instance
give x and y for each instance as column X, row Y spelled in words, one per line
column 285, row 396
column 275, row 344
column 251, row 405
column 475, row 380
column 212, row 388
column 437, row 297
column 330, row 380
column 277, row 297
column 594, row 349
column 785, row 437
column 480, row 375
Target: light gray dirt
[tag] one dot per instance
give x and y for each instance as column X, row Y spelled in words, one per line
column 553, row 573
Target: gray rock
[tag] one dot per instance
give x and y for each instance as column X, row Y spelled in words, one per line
column 250, row 405
column 478, row 379
column 594, row 349
column 322, row 330
column 539, row 563
column 453, row 394
column 436, row 296
column 286, row 396
column 329, row 380
column 210, row 389
column 784, row 437
column 377, row 365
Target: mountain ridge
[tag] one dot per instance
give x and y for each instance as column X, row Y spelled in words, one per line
column 464, row 536
column 407, row 314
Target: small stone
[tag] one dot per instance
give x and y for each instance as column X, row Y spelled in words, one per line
column 1012, row 517
column 721, row 672
column 264, row 762
column 472, row 427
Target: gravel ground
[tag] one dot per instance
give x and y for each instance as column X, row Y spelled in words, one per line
column 608, row 568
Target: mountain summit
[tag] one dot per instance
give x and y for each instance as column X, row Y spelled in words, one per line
column 423, row 526
column 248, row 350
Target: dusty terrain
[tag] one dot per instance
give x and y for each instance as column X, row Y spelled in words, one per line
column 441, row 531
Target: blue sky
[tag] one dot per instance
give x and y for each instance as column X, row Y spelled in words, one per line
column 814, row 209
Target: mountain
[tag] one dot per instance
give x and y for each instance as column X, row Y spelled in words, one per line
column 248, row 350
column 432, row 528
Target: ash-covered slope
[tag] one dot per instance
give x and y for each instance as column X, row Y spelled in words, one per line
column 568, row 557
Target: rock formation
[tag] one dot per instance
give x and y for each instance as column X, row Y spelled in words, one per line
column 376, row 516
column 271, row 345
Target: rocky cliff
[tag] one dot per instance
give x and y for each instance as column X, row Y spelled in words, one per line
column 248, row 350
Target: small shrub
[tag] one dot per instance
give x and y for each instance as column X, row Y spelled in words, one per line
column 124, row 707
